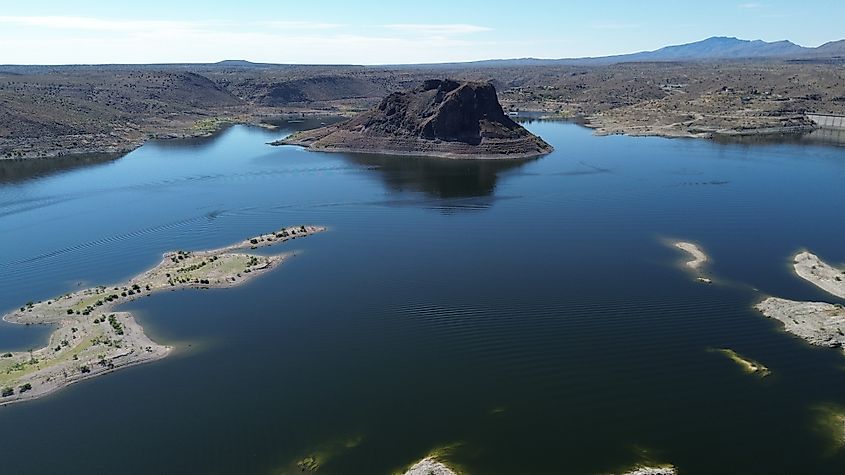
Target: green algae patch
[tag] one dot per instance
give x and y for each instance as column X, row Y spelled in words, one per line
column 646, row 462
column 316, row 458
column 829, row 423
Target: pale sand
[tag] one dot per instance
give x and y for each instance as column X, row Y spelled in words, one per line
column 698, row 256
column 93, row 339
column 430, row 466
column 826, row 277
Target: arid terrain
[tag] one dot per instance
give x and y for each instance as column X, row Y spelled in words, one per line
column 64, row 110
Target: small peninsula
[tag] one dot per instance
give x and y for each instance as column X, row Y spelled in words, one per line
column 93, row 339
column 818, row 323
column 440, row 118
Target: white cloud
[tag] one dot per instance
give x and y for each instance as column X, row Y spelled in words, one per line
column 299, row 25
column 95, row 24
column 616, row 26
column 68, row 39
column 76, row 39
column 437, row 29
column 750, row 6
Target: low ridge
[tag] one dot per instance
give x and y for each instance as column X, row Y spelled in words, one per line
column 442, row 118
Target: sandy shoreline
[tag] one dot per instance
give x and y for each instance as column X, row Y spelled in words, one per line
column 92, row 339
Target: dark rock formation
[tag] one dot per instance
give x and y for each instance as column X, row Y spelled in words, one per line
column 440, row 118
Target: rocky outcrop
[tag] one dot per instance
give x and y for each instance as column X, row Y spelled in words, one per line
column 430, row 466
column 441, row 118
column 818, row 323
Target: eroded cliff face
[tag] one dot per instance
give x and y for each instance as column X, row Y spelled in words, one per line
column 440, row 118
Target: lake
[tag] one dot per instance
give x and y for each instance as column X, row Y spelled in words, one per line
column 518, row 317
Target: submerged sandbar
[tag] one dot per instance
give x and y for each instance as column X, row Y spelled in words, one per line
column 93, row 339
column 746, row 364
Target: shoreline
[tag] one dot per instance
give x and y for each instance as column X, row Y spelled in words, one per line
column 92, row 339
column 446, row 156
column 97, row 144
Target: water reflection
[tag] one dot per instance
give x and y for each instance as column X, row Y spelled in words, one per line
column 17, row 170
column 832, row 137
column 438, row 178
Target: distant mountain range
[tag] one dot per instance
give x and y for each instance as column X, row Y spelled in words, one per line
column 714, row 48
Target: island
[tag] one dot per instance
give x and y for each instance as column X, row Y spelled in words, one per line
column 93, row 339
column 698, row 259
column 440, row 118
column 818, row 323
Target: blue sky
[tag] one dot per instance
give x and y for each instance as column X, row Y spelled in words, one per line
column 385, row 32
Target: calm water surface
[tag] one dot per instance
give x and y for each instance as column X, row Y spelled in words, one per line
column 522, row 317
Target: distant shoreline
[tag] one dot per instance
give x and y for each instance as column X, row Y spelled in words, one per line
column 600, row 126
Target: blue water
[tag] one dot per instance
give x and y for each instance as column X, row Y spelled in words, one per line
column 526, row 315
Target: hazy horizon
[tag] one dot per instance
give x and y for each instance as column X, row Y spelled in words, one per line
column 367, row 33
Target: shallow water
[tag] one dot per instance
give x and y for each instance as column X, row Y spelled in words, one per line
column 526, row 316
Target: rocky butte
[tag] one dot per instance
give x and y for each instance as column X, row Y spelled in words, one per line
column 440, row 118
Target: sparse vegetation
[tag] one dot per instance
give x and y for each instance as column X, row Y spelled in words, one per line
column 117, row 326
